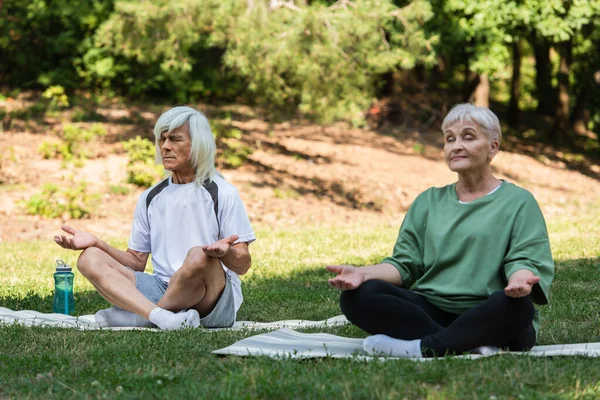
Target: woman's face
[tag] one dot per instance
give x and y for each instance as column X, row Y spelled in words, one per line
column 467, row 148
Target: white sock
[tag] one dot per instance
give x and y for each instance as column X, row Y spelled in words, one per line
column 384, row 345
column 485, row 350
column 168, row 320
column 117, row 317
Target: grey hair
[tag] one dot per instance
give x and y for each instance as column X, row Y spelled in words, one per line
column 482, row 116
column 204, row 149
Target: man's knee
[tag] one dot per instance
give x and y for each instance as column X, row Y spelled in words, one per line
column 89, row 260
column 198, row 263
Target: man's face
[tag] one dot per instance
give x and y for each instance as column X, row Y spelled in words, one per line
column 175, row 149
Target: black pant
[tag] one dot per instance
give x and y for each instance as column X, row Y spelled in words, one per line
column 381, row 307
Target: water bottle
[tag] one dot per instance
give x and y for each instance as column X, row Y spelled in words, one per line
column 64, row 303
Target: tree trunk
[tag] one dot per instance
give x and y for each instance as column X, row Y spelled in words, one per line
column 420, row 73
column 471, row 79
column 438, row 72
column 579, row 115
column 546, row 95
column 561, row 125
column 481, row 94
column 515, row 84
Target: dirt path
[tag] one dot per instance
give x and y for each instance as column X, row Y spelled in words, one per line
column 297, row 174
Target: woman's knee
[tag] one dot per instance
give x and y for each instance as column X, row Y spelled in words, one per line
column 354, row 302
column 515, row 309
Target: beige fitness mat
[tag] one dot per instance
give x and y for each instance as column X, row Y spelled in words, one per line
column 286, row 343
column 88, row 322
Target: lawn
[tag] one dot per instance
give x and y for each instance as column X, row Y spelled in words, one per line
column 288, row 281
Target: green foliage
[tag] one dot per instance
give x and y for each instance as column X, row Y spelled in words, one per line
column 141, row 167
column 42, row 41
column 70, row 148
column 56, row 95
column 119, row 190
column 326, row 61
column 54, row 201
column 233, row 152
column 164, row 46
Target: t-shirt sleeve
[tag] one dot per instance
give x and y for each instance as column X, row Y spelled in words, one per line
column 529, row 249
column 139, row 240
column 233, row 218
column 407, row 255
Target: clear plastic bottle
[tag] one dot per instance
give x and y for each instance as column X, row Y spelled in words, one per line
column 64, row 302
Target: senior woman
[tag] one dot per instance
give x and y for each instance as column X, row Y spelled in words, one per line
column 470, row 260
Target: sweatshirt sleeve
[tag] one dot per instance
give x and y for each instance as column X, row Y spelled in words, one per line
column 529, row 249
column 407, row 255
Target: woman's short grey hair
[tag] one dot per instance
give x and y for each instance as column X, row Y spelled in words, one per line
column 482, row 116
column 203, row 149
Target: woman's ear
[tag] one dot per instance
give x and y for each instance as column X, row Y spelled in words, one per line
column 494, row 148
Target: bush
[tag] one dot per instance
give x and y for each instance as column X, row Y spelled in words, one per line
column 54, row 201
column 141, row 168
column 233, row 152
column 70, row 148
column 57, row 96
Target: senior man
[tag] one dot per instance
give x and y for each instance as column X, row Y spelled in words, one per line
column 196, row 228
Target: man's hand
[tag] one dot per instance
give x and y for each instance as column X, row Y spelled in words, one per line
column 79, row 241
column 220, row 248
column 520, row 284
column 348, row 277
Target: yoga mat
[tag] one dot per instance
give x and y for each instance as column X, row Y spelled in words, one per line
column 88, row 322
column 286, row 343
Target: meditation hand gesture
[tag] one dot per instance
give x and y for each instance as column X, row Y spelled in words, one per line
column 79, row 241
column 520, row 284
column 348, row 277
column 220, row 248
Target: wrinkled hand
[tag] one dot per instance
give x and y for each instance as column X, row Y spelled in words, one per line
column 79, row 240
column 220, row 248
column 521, row 286
column 348, row 277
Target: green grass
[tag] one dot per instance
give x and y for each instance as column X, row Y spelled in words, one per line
column 288, row 281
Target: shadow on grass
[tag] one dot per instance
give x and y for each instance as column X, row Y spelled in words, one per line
column 86, row 302
column 572, row 316
column 301, row 295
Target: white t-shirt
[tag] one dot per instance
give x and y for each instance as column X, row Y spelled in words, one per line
column 183, row 216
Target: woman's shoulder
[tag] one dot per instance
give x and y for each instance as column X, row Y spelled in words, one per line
column 434, row 195
column 438, row 192
column 516, row 192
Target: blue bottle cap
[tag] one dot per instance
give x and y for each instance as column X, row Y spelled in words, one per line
column 62, row 267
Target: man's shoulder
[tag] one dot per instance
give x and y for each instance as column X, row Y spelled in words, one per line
column 153, row 190
column 226, row 189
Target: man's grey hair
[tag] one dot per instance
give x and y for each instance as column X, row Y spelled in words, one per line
column 203, row 150
column 482, row 116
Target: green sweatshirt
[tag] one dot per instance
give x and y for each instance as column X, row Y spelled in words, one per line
column 456, row 255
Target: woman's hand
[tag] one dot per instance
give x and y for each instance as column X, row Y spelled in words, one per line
column 79, row 241
column 348, row 277
column 520, row 284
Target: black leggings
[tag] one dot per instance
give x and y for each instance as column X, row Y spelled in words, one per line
column 381, row 307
